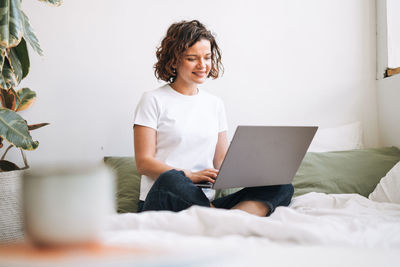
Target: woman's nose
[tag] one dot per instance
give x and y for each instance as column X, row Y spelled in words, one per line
column 201, row 63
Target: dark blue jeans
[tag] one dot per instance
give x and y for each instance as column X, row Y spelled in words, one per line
column 175, row 192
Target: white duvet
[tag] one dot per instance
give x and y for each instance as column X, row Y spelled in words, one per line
column 348, row 224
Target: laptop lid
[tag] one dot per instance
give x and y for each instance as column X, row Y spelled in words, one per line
column 264, row 155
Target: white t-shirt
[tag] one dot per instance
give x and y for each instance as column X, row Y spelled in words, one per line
column 187, row 129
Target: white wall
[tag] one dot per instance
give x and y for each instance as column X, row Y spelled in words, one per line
column 389, row 110
column 286, row 62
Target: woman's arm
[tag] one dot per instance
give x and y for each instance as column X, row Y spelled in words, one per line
column 145, row 149
column 220, row 150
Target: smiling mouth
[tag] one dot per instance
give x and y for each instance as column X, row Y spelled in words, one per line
column 199, row 74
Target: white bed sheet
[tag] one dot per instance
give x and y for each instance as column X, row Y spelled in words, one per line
column 317, row 229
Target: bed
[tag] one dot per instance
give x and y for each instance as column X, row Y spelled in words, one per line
column 345, row 212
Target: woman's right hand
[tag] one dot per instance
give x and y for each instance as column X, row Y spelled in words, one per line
column 207, row 175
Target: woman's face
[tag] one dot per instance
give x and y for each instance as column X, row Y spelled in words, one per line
column 195, row 64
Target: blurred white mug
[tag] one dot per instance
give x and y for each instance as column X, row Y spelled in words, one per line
column 67, row 204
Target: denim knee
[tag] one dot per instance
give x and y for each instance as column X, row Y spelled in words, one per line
column 287, row 191
column 174, row 191
column 170, row 175
column 170, row 179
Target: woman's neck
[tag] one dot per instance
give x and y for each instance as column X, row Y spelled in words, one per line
column 184, row 89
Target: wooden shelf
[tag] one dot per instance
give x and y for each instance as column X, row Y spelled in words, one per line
column 391, row 72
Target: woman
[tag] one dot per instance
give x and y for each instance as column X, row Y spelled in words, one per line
column 180, row 131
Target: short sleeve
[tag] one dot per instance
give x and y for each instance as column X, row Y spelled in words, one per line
column 222, row 122
column 146, row 113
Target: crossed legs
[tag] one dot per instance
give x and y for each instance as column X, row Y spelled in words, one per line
column 174, row 191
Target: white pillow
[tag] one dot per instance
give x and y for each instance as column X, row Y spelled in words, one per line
column 388, row 189
column 344, row 137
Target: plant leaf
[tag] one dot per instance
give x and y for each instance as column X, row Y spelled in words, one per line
column 30, row 36
column 21, row 51
column 7, row 166
column 2, row 56
column 13, row 98
column 11, row 23
column 3, row 83
column 26, row 98
column 9, row 98
column 53, row 2
column 7, row 77
column 2, row 97
column 14, row 129
column 37, row 126
column 15, row 65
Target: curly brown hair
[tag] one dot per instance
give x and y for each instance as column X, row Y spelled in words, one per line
column 180, row 36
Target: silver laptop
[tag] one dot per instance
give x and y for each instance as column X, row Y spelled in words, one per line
column 263, row 155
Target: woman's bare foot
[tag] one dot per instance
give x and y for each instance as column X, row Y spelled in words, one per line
column 253, row 207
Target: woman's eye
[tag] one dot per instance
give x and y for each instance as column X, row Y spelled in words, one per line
column 191, row 59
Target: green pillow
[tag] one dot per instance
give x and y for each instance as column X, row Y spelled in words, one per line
column 226, row 192
column 353, row 171
column 128, row 182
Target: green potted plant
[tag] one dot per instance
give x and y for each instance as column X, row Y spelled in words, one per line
column 15, row 33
